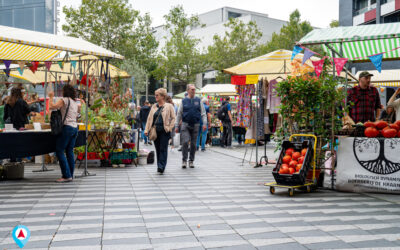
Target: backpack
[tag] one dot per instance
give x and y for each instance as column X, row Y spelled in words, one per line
column 57, row 122
column 150, row 158
column 222, row 112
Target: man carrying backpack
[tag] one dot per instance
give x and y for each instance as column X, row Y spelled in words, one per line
column 191, row 111
column 225, row 116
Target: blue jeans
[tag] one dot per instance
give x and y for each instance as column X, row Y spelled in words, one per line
column 203, row 135
column 143, row 135
column 66, row 142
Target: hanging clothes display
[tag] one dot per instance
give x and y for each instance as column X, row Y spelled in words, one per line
column 267, row 129
column 245, row 93
column 260, row 110
column 273, row 100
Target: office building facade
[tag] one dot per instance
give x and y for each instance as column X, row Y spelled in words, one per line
column 36, row 15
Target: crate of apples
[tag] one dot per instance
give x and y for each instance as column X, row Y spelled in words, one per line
column 292, row 161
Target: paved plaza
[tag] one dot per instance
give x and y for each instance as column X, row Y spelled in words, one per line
column 219, row 204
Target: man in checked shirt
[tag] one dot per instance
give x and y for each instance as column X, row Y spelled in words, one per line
column 364, row 101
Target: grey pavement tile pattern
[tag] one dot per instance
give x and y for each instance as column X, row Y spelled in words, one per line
column 220, row 204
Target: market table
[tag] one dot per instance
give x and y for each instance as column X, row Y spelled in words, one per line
column 368, row 165
column 21, row 144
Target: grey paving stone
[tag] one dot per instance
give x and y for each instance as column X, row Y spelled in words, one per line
column 285, row 246
column 268, row 235
column 308, row 233
column 77, row 242
column 373, row 244
column 349, row 232
column 240, row 247
column 127, row 241
column 329, row 245
column 390, row 230
column 177, row 240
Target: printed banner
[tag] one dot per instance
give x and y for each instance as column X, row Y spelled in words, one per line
column 368, row 165
column 339, row 64
column 319, row 66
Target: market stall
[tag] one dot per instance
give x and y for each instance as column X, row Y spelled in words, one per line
column 366, row 161
column 30, row 49
column 259, row 77
column 216, row 94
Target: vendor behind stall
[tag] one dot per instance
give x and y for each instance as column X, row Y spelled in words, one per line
column 363, row 100
column 16, row 110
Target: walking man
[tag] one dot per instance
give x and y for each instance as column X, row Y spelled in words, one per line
column 190, row 112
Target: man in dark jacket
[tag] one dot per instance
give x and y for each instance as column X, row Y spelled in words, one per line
column 144, row 113
column 190, row 113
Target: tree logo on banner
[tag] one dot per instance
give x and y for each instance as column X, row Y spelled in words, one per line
column 379, row 156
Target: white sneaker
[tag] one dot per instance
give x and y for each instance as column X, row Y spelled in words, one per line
column 184, row 164
column 191, row 165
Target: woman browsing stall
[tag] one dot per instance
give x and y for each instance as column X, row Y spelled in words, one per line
column 66, row 140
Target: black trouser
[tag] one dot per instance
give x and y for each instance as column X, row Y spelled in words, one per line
column 161, row 145
column 226, row 134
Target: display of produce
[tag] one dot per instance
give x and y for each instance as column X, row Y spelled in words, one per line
column 381, row 129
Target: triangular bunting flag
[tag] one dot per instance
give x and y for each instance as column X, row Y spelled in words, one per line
column 34, row 66
column 377, row 61
column 21, row 65
column 307, row 55
column 73, row 64
column 318, row 65
column 21, row 71
column 7, row 71
column 48, row 65
column 296, row 50
column 7, row 63
column 80, row 75
column 61, row 64
column 339, row 64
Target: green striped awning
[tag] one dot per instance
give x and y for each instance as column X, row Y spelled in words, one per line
column 358, row 42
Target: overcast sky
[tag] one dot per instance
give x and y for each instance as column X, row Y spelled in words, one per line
column 319, row 12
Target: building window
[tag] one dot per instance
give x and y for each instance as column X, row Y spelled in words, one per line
column 233, row 15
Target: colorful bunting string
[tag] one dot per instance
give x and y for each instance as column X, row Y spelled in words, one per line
column 61, row 64
column 21, row 71
column 73, row 64
column 318, row 65
column 7, row 63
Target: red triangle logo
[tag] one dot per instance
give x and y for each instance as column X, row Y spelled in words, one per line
column 21, row 234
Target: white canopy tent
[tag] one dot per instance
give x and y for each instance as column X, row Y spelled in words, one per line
column 25, row 45
column 218, row 89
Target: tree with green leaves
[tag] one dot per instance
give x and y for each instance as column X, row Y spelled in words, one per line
column 138, row 72
column 114, row 25
column 334, row 24
column 239, row 44
column 180, row 59
column 289, row 34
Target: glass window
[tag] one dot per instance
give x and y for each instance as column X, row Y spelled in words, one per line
column 233, row 15
column 6, row 18
column 23, row 18
column 40, row 19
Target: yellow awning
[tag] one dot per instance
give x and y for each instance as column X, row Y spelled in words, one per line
column 386, row 84
column 22, row 52
column 67, row 72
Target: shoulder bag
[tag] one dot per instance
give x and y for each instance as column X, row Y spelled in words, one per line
column 153, row 131
column 56, row 120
